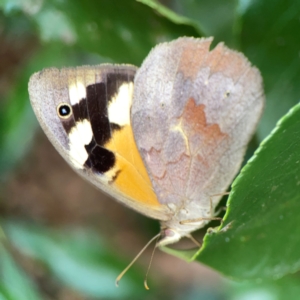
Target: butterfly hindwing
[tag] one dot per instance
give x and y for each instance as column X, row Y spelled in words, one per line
column 194, row 111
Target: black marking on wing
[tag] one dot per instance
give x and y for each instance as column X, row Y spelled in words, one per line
column 94, row 108
column 98, row 97
column 114, row 178
column 80, row 111
column 115, row 127
column 97, row 111
column 89, row 148
column 114, row 81
column 68, row 124
column 100, row 159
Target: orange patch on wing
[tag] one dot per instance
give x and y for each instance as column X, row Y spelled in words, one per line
column 132, row 178
column 194, row 124
column 192, row 57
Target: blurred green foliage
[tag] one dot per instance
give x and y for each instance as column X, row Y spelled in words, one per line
column 260, row 234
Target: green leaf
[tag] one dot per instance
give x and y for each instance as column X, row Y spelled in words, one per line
column 187, row 255
column 77, row 258
column 269, row 39
column 260, row 234
column 14, row 284
column 215, row 18
column 169, row 14
column 285, row 288
column 102, row 27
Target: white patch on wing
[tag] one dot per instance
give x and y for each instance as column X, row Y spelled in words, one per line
column 107, row 178
column 119, row 107
column 77, row 91
column 80, row 136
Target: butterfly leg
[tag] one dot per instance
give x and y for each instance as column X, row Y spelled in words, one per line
column 194, row 240
column 212, row 213
column 211, row 204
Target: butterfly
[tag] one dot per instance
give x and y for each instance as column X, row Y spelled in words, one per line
column 166, row 139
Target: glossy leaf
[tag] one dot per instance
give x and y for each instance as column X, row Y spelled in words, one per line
column 170, row 14
column 285, row 288
column 126, row 38
column 216, row 18
column 260, row 234
column 269, row 38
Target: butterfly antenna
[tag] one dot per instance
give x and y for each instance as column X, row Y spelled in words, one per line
column 150, row 263
column 135, row 259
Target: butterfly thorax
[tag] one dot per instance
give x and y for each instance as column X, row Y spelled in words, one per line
column 184, row 221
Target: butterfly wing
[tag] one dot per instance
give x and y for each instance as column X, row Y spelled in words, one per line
column 193, row 113
column 85, row 112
